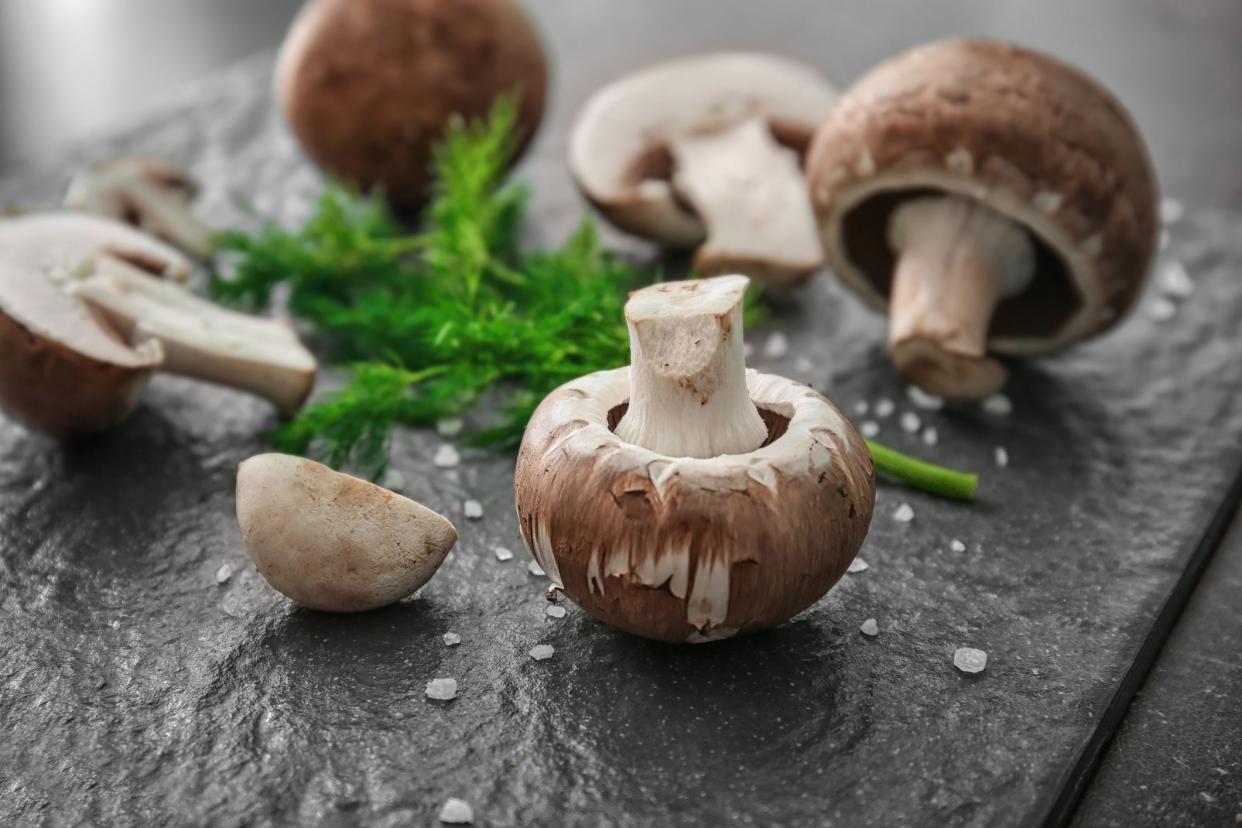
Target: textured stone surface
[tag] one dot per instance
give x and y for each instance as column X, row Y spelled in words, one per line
column 138, row 689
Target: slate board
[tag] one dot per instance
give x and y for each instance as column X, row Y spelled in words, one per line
column 139, row 691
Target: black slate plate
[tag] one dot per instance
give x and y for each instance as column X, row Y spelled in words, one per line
column 137, row 689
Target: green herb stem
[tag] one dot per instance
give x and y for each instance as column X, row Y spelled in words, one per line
column 929, row 477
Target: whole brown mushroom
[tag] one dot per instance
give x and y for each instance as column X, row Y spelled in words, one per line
column 994, row 200
column 685, row 498
column 368, row 86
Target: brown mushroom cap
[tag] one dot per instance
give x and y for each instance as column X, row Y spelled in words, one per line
column 368, row 86
column 334, row 542
column 1029, row 136
column 690, row 549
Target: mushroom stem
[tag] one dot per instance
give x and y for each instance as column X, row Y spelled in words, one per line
column 956, row 260
column 688, row 394
column 199, row 338
column 750, row 192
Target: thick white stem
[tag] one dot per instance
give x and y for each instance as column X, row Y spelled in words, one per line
column 956, row 260
column 750, row 192
column 199, row 338
column 688, row 394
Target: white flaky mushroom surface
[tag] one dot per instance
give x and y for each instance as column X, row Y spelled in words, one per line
column 149, row 193
column 334, row 542
column 688, row 372
column 957, row 258
column 58, row 246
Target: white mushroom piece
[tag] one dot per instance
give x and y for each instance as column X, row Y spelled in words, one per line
column 993, row 200
column 685, row 498
column 334, row 542
column 84, row 320
column 149, row 193
column 707, row 151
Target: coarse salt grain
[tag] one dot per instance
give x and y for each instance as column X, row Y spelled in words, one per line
column 748, row 350
column 503, row 554
column 910, row 422
column 541, row 652
column 858, row 565
column 1001, row 456
column 931, row 436
column 1161, row 309
column 869, row 428
column 442, row 689
column 970, row 660
column 449, row 426
column 957, row 546
column 446, row 457
column 473, row 509
column 456, row 812
column 1175, row 282
column 804, row 365
column 861, row 408
column 534, row 568
column 904, row 513
column 884, row 408
column 451, row 639
column 870, row 627
column 1171, row 211
column 921, row 399
column 555, row 611
column 998, row 405
column 392, row 480
column 777, row 346
column 224, row 573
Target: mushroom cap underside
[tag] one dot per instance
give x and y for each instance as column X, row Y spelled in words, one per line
column 57, row 245
column 685, row 549
column 334, row 542
column 1028, row 135
column 618, row 151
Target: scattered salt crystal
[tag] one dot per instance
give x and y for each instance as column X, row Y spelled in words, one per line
column 555, row 611
column 869, row 428
column 870, row 627
column 1171, row 211
column 1175, row 281
column 970, row 660
column 884, row 408
column 456, row 812
column 921, row 399
column 1161, row 309
column 804, row 365
column 861, row 408
column 541, row 652
column 473, row 509
column 451, row 639
column 1001, row 456
column 115, row 624
column 748, row 350
column 931, row 436
column 777, row 346
column 503, row 554
column 957, row 546
column 904, row 513
column 449, row 426
column 534, row 568
column 998, row 405
column 224, row 573
column 446, row 457
column 858, row 565
column 442, row 689
column 392, row 480
column 910, row 422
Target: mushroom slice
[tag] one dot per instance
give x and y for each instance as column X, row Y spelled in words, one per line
column 677, row 547
column 201, row 339
column 994, row 200
column 334, row 542
column 149, row 193
column 707, row 149
column 59, row 246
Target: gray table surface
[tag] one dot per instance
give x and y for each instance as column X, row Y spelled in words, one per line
column 1175, row 761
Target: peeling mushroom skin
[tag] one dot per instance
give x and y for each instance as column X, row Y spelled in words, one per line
column 1017, row 136
column 692, row 548
column 334, row 542
column 368, row 86
column 706, row 151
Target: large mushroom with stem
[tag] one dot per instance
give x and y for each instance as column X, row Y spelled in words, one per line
column 706, row 152
column 684, row 498
column 995, row 201
column 85, row 319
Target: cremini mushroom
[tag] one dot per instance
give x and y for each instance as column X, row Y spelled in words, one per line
column 368, row 86
column 334, row 542
column 685, row 498
column 706, row 151
column 994, row 200
column 149, row 193
column 80, row 336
